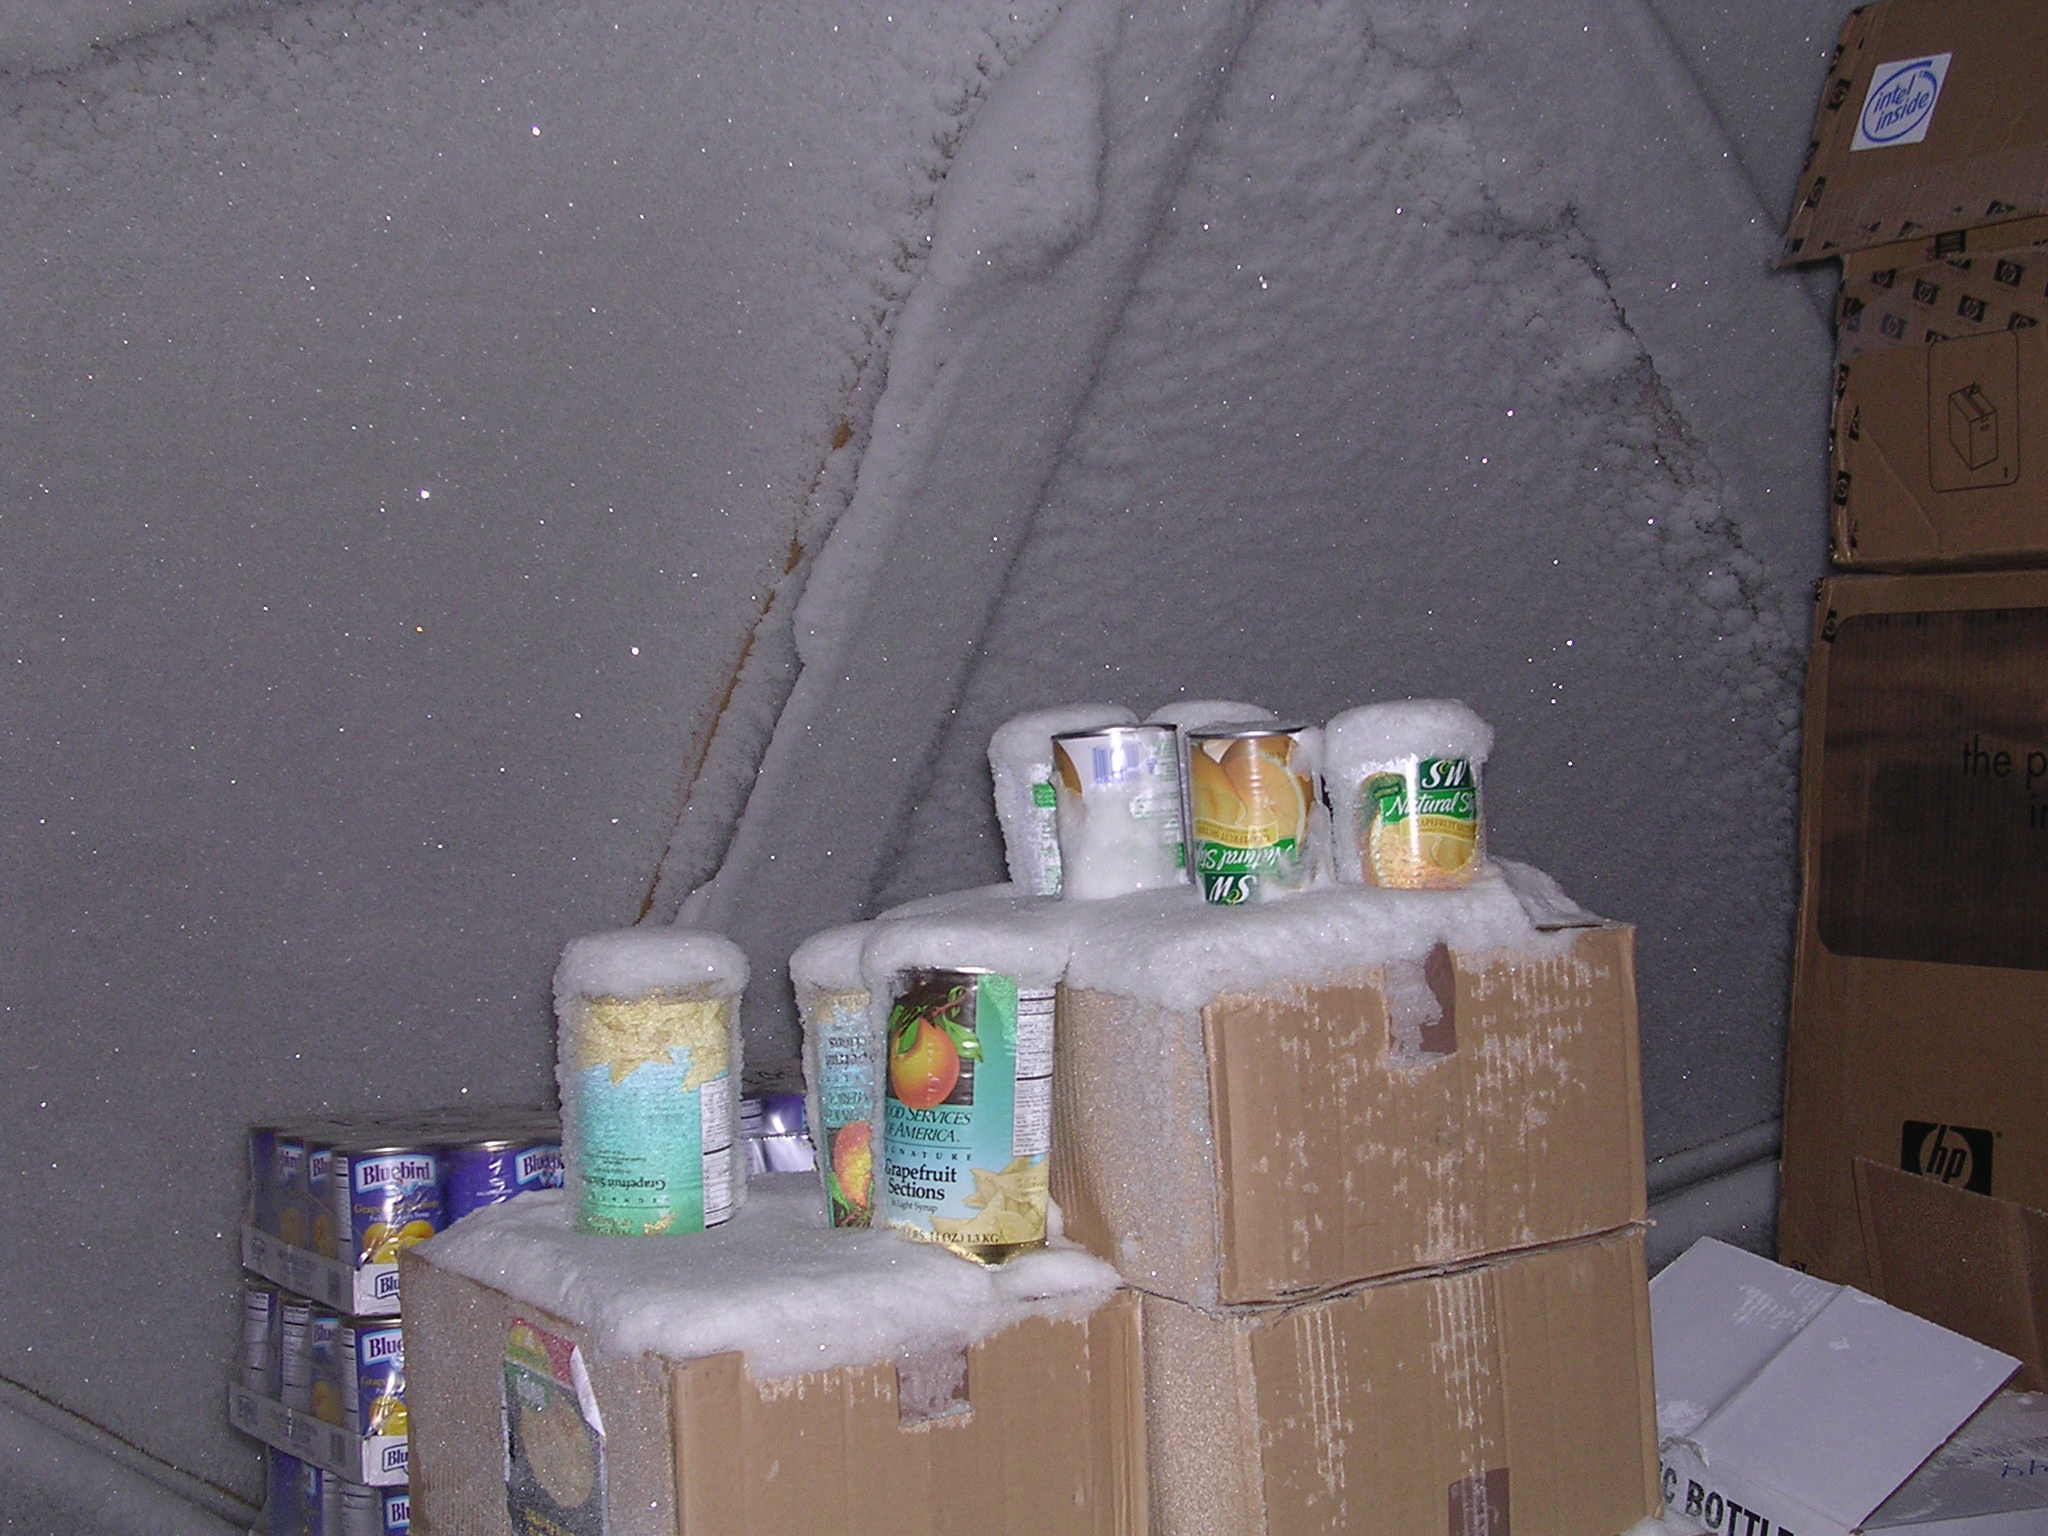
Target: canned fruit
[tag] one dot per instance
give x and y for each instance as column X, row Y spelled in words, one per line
column 1252, row 796
column 1011, row 1203
column 654, row 1119
column 924, row 1059
column 383, row 1240
column 1421, row 828
column 966, row 1166
column 852, row 1173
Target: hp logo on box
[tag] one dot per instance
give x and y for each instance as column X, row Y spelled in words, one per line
column 1953, row 1154
column 1900, row 103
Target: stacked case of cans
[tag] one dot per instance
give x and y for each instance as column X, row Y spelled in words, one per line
column 331, row 1201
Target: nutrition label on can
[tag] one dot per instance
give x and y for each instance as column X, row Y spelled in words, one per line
column 715, row 1101
column 1031, row 1126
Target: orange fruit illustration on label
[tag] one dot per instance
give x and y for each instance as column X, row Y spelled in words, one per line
column 853, row 1158
column 923, row 1066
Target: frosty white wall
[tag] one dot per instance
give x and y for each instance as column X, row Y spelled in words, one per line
column 405, row 412
column 1454, row 363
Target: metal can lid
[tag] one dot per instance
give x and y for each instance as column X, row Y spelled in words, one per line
column 1248, row 731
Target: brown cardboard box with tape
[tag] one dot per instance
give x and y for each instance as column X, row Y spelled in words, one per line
column 1513, row 1395
column 528, row 1423
column 1313, row 1142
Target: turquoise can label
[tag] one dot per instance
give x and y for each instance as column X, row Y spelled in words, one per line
column 967, row 1110
column 653, row 1117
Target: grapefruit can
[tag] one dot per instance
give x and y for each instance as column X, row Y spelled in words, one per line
column 967, row 1111
column 1253, row 799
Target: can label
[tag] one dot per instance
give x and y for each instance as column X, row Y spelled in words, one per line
column 378, row 1365
column 261, row 1211
column 846, row 1099
column 967, row 1111
column 295, row 1354
column 261, row 1320
column 393, row 1200
column 325, row 1347
column 1252, row 796
column 475, row 1177
column 397, row 1511
column 288, row 1189
column 320, row 1199
column 361, row 1512
column 1120, row 827
column 1042, row 838
column 1419, row 824
column 654, row 1115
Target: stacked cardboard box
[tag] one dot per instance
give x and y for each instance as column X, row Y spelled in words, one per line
column 1917, row 1086
column 1393, row 1277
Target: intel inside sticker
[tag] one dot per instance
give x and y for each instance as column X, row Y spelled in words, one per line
column 1899, row 105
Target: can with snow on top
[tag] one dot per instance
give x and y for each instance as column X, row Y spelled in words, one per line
column 1404, row 788
column 387, row 1196
column 1117, row 795
column 1253, row 804
column 647, row 1055
column 967, row 1111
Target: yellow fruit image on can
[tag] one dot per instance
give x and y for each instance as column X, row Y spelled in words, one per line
column 1252, row 794
column 1420, row 828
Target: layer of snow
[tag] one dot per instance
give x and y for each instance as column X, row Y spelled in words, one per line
column 1173, row 950
column 640, row 962
column 776, row 1283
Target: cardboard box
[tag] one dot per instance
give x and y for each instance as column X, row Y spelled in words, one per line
column 1940, row 439
column 1973, row 282
column 1927, row 122
column 1787, row 1404
column 1310, row 1145
column 1970, row 1262
column 1920, row 988
column 1513, row 1395
column 1047, row 1439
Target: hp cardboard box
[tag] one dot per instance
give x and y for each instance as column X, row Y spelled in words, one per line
column 1510, row 1396
column 1928, row 122
column 1425, row 1116
column 1940, row 438
column 1920, row 1000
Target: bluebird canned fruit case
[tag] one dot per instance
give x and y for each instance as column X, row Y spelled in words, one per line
column 331, row 1203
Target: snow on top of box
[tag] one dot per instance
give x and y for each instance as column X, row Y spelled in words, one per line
column 775, row 1283
column 830, row 961
column 1172, row 949
column 633, row 962
column 998, row 929
column 1198, row 714
column 1379, row 733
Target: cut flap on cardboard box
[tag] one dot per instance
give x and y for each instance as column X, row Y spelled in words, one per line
column 1804, row 1403
column 1970, row 1262
column 1931, row 119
